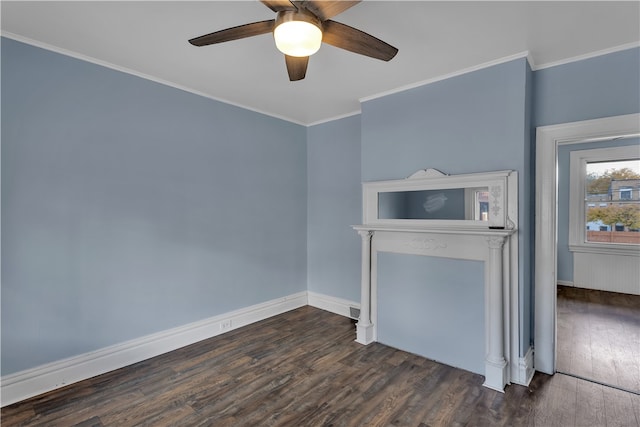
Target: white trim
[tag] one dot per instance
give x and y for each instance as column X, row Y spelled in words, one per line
column 432, row 179
column 606, row 249
column 334, row 118
column 461, row 239
column 566, row 283
column 590, row 55
column 478, row 67
column 32, row 382
column 547, row 140
column 112, row 66
column 332, row 304
column 525, row 369
column 524, row 54
column 493, row 247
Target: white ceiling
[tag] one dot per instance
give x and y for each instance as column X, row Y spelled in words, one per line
column 434, row 39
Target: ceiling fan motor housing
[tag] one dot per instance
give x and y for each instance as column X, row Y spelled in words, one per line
column 297, row 15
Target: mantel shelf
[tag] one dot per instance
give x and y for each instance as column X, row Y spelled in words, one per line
column 452, row 229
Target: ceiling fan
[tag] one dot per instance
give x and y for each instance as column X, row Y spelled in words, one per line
column 299, row 29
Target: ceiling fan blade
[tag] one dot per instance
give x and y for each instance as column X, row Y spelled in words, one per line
column 234, row 33
column 325, row 9
column 354, row 40
column 296, row 66
column 278, row 5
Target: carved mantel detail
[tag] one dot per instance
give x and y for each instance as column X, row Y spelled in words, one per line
column 496, row 199
column 495, row 242
column 366, row 234
column 426, row 243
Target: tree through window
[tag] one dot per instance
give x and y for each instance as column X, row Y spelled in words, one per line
column 612, row 201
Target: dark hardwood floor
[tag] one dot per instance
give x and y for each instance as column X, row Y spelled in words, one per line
column 303, row 368
column 599, row 336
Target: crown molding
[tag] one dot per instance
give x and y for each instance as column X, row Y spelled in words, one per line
column 115, row 67
column 334, row 118
column 524, row 54
column 590, row 55
column 478, row 67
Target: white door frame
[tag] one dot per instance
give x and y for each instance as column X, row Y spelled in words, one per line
column 548, row 138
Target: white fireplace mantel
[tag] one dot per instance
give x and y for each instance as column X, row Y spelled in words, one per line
column 497, row 247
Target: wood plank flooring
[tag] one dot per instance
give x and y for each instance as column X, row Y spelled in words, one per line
column 599, row 336
column 303, row 368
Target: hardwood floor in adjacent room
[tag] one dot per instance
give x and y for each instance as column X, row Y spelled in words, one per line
column 599, row 336
column 302, row 368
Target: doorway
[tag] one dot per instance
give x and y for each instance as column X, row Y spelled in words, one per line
column 548, row 141
column 598, row 295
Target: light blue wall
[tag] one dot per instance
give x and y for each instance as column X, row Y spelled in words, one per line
column 565, row 257
column 471, row 123
column 335, row 203
column 420, row 308
column 604, row 86
column 129, row 207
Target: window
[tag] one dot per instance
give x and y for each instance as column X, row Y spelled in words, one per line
column 625, row 194
column 604, row 213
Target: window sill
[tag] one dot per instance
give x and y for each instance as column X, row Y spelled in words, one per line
column 606, row 249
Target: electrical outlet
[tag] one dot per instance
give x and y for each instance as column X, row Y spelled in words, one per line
column 225, row 325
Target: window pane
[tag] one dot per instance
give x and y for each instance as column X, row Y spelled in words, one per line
column 612, row 202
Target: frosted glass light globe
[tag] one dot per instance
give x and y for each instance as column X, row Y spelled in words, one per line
column 297, row 38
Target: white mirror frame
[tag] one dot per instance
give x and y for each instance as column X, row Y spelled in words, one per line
column 432, row 179
column 548, row 138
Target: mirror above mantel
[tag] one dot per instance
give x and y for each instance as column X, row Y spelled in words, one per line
column 431, row 198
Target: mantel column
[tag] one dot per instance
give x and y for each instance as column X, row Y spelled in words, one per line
column 495, row 363
column 364, row 327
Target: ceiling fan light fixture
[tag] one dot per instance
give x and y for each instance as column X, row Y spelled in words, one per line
column 297, row 33
column 300, row 28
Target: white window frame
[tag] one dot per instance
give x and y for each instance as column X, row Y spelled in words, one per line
column 577, row 215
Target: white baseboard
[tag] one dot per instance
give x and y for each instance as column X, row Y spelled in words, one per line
column 525, row 369
column 38, row 380
column 565, row 283
column 333, row 304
